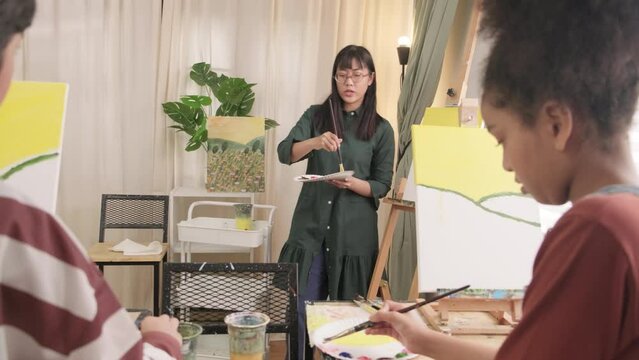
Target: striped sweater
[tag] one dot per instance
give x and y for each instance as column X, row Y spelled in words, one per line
column 54, row 303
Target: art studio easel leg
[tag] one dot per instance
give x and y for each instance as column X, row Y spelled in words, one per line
column 377, row 285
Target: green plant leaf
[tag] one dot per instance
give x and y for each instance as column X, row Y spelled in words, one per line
column 246, row 104
column 191, row 120
column 201, row 134
column 215, row 85
column 200, row 118
column 232, row 90
column 202, row 75
column 199, row 139
column 236, row 97
column 270, row 123
column 201, row 67
column 242, row 90
column 192, row 145
column 180, row 113
column 196, row 101
column 226, row 109
column 177, row 127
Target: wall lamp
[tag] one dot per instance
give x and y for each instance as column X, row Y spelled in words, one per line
column 403, row 50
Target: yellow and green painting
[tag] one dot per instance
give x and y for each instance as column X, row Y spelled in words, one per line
column 31, row 123
column 474, row 226
column 235, row 160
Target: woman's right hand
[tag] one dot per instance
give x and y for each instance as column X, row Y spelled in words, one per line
column 407, row 328
column 327, row 141
column 162, row 323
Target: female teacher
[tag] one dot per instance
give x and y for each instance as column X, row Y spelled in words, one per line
column 333, row 236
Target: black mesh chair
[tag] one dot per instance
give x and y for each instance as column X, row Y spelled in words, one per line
column 133, row 212
column 206, row 293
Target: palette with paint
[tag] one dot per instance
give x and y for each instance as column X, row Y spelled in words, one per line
column 358, row 346
column 314, row 178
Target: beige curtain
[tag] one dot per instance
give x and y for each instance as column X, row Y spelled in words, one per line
column 107, row 51
column 433, row 19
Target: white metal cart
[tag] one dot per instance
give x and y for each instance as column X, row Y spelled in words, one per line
column 222, row 233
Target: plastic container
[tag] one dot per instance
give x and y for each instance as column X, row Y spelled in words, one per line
column 243, row 216
column 247, row 335
column 190, row 333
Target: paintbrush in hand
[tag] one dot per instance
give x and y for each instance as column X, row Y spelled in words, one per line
column 367, row 324
column 339, row 155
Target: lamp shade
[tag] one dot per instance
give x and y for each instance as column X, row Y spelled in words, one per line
column 402, row 53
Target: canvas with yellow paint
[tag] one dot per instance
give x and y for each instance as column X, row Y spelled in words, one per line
column 31, row 124
column 235, row 161
column 474, row 226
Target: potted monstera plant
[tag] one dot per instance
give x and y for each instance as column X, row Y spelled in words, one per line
column 233, row 140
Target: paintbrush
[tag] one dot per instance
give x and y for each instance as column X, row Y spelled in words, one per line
column 360, row 298
column 339, row 155
column 365, row 306
column 367, row 324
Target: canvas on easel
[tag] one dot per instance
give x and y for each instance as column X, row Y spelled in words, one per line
column 403, row 199
column 31, row 125
column 474, row 226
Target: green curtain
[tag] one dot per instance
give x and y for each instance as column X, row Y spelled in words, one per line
column 432, row 23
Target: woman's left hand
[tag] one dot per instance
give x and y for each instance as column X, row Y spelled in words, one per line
column 358, row 186
column 342, row 184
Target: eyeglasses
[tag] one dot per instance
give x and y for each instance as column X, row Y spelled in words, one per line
column 341, row 78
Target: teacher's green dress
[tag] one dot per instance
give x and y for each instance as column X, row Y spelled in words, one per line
column 342, row 221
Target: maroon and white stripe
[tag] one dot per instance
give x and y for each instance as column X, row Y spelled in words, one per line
column 53, row 301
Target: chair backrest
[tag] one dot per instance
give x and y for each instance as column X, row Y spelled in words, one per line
column 205, row 293
column 120, row 211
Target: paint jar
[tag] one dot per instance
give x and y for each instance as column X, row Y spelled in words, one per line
column 190, row 332
column 247, row 335
column 243, row 216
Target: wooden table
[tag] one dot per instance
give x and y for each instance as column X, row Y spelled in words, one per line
column 102, row 256
column 343, row 309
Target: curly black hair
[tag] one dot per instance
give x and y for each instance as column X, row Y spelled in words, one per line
column 15, row 17
column 584, row 53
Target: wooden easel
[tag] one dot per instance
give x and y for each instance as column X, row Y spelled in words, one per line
column 378, row 285
column 459, row 82
column 505, row 313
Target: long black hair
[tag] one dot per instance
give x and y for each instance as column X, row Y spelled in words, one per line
column 369, row 119
column 15, row 17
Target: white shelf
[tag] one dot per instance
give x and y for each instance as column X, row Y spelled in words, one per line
column 191, row 194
